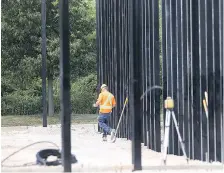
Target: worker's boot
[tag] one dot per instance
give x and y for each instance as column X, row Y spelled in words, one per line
column 104, row 137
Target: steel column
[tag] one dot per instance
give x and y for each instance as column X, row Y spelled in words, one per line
column 65, row 86
column 135, row 62
column 44, row 60
column 191, row 63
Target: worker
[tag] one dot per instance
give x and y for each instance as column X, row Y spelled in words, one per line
column 106, row 101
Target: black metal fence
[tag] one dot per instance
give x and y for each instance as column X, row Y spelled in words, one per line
column 176, row 44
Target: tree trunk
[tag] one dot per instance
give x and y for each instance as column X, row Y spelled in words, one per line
column 50, row 97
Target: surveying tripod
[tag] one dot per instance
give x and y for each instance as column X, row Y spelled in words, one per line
column 169, row 105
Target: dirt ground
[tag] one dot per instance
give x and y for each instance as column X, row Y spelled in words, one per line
column 92, row 154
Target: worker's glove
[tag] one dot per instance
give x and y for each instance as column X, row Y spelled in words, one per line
column 94, row 105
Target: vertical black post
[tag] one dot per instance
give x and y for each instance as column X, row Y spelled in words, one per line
column 195, row 65
column 156, row 75
column 216, row 82
column 97, row 46
column 98, row 57
column 65, row 85
column 135, row 104
column 164, row 57
column 222, row 23
column 202, row 65
column 44, row 71
column 143, row 33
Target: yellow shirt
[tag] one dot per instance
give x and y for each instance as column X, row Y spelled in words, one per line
column 106, row 101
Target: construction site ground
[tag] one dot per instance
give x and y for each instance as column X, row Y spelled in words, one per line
column 92, row 153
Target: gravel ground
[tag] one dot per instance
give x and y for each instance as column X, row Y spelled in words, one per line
column 92, row 154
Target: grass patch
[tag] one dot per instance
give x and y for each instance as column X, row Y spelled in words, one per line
column 35, row 120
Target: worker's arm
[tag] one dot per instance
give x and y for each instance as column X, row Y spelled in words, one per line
column 113, row 102
column 98, row 101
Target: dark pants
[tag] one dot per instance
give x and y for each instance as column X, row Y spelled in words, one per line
column 103, row 122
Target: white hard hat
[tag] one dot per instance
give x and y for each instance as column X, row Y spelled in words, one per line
column 103, row 86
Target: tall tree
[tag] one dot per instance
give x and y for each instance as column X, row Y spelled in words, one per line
column 21, row 43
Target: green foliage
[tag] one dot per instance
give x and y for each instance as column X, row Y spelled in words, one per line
column 82, row 37
column 83, row 95
column 21, row 23
column 23, row 103
column 21, row 53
